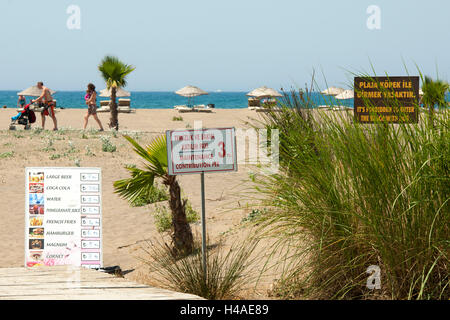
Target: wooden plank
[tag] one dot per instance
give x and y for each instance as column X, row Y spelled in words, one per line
column 69, row 283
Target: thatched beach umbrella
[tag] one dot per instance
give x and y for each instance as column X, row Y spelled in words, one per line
column 264, row 92
column 33, row 91
column 346, row 94
column 119, row 93
column 333, row 91
column 191, row 92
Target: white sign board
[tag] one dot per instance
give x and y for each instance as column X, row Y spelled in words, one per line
column 201, row 150
column 63, row 216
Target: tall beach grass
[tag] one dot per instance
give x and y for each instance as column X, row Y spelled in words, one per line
column 350, row 195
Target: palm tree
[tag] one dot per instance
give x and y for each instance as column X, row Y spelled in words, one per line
column 434, row 94
column 155, row 155
column 114, row 72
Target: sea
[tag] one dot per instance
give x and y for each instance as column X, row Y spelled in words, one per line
column 167, row 100
column 162, row 100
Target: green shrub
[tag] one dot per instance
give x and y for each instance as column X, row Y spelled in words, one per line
column 152, row 195
column 55, row 156
column 163, row 218
column 228, row 271
column 349, row 196
column 254, row 215
column 89, row 151
column 107, row 146
column 8, row 154
column 49, row 146
column 175, row 118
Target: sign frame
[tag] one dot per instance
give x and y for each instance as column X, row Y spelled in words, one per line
column 376, row 98
column 76, row 171
column 170, row 164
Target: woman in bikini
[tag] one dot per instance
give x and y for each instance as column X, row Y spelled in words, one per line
column 91, row 101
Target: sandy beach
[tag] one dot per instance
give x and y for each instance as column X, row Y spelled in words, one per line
column 125, row 228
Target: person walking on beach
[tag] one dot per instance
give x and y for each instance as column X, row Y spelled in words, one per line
column 91, row 101
column 49, row 105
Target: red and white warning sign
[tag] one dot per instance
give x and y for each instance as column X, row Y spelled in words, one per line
column 201, row 150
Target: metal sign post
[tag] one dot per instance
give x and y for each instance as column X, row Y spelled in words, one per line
column 204, row 252
column 200, row 151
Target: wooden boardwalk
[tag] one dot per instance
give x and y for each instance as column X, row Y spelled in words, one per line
column 69, row 283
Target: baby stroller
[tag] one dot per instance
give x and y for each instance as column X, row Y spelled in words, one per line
column 25, row 118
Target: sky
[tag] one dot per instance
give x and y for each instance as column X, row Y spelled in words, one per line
column 232, row 45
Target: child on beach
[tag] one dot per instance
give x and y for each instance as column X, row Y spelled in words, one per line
column 91, row 101
column 21, row 102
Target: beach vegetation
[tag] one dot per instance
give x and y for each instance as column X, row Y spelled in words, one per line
column 142, row 180
column 8, row 154
column 72, row 148
column 49, row 146
column 163, row 218
column 434, row 95
column 107, row 145
column 37, row 130
column 177, row 118
column 253, row 215
column 115, row 74
column 89, row 151
column 349, row 196
column 229, row 269
column 55, row 156
column 18, row 135
column 154, row 194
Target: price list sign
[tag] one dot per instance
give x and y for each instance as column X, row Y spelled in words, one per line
column 63, row 216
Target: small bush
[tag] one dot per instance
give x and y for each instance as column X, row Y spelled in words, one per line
column 18, row 135
column 228, row 271
column 89, row 151
column 175, row 118
column 153, row 195
column 55, row 156
column 8, row 154
column 163, row 218
column 72, row 148
column 49, row 147
column 107, row 146
column 254, row 215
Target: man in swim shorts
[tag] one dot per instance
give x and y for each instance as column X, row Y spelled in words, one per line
column 49, row 105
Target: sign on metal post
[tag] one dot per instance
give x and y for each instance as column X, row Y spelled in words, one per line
column 63, row 216
column 199, row 151
column 202, row 150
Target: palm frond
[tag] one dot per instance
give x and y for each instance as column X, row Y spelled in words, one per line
column 114, row 71
column 155, row 154
column 140, row 183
